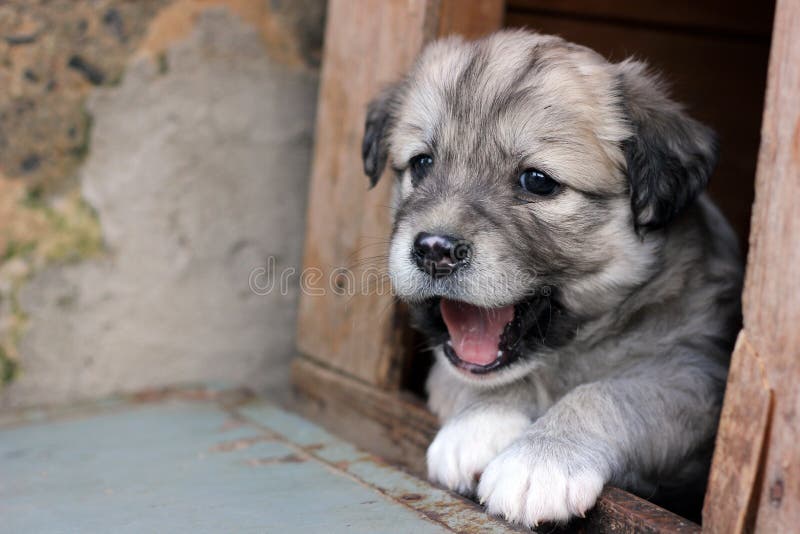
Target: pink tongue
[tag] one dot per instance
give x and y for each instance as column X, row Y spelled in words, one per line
column 475, row 332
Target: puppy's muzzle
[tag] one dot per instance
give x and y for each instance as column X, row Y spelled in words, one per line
column 440, row 255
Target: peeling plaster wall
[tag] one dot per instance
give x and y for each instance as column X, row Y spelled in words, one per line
column 197, row 171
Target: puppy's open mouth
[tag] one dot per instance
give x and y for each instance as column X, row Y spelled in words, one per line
column 482, row 339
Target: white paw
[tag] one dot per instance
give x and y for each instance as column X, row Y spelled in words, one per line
column 468, row 442
column 539, row 480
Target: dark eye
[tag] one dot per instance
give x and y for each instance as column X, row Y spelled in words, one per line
column 537, row 182
column 420, row 166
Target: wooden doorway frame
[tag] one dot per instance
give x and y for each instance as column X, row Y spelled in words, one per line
column 755, row 477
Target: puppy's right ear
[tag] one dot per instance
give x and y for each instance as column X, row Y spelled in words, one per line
column 374, row 147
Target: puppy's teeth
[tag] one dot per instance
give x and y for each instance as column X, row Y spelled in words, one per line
column 499, row 353
column 449, row 342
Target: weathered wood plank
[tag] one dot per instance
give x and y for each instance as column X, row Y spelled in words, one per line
column 368, row 44
column 772, row 287
column 732, row 495
column 620, row 512
column 771, row 303
column 392, row 425
column 353, row 324
column 399, row 429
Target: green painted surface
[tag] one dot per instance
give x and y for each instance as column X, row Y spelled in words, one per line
column 194, row 466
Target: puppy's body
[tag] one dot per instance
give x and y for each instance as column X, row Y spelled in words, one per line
column 611, row 288
column 645, row 380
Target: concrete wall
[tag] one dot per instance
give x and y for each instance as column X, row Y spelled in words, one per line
column 128, row 253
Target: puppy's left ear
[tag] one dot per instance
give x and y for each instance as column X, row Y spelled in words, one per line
column 374, row 146
column 670, row 156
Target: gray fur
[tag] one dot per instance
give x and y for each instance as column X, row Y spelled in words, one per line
column 622, row 382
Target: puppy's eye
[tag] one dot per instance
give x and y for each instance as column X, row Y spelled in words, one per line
column 420, row 166
column 537, row 182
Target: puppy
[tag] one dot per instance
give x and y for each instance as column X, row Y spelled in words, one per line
column 553, row 241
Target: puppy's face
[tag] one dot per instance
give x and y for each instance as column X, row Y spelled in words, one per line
column 531, row 174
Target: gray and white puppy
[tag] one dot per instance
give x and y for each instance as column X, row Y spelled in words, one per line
column 553, row 240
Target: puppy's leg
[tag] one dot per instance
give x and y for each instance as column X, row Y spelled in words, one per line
column 470, row 440
column 628, row 429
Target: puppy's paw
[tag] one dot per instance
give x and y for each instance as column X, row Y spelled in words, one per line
column 538, row 480
column 468, row 442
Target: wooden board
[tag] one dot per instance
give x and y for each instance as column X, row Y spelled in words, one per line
column 771, row 303
column 732, row 495
column 721, row 82
column 393, row 425
column 353, row 323
column 711, row 17
column 398, row 428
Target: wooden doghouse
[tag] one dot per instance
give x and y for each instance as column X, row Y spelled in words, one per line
column 360, row 368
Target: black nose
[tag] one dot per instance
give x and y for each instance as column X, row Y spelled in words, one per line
column 440, row 255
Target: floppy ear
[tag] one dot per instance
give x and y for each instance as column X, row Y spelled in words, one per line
column 669, row 157
column 374, row 147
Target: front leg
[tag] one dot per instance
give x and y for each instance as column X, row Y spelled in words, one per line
column 544, row 477
column 630, row 430
column 469, row 441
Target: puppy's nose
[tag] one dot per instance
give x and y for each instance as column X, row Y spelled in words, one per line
column 440, row 255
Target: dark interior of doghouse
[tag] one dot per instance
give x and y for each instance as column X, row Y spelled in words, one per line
column 714, row 55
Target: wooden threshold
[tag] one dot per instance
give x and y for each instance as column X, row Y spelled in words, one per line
column 398, row 428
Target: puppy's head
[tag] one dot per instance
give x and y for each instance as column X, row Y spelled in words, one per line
column 533, row 179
